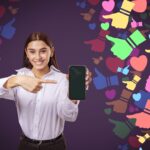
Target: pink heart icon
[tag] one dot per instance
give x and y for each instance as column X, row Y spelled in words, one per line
column 110, row 94
column 108, row 5
column 140, row 6
column 139, row 63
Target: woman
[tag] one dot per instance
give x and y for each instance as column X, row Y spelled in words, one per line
column 40, row 92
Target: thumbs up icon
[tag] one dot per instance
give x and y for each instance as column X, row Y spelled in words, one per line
column 8, row 31
column 122, row 48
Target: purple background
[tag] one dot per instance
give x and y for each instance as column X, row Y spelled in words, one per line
column 60, row 19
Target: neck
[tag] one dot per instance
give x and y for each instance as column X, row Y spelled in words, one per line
column 40, row 73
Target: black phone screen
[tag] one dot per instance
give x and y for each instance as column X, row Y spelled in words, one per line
column 77, row 82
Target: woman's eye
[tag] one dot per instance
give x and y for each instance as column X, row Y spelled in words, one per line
column 43, row 51
column 32, row 52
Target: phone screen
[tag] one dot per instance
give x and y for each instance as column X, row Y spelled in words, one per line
column 77, row 82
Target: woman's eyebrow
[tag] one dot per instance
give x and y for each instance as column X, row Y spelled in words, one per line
column 31, row 49
column 43, row 48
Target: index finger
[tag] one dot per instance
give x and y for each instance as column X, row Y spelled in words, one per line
column 108, row 16
column 49, row 81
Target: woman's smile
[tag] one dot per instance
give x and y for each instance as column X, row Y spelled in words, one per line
column 38, row 62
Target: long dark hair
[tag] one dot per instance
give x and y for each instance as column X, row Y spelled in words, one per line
column 39, row 36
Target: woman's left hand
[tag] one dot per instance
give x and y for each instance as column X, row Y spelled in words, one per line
column 88, row 80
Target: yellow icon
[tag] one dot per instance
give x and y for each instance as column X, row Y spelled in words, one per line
column 131, row 85
column 147, row 50
column 142, row 139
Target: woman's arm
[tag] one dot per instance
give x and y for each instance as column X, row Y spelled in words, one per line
column 8, row 85
column 6, row 92
column 11, row 82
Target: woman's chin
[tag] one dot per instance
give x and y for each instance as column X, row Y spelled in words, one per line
column 39, row 67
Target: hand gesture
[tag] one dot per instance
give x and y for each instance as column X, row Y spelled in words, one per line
column 122, row 48
column 32, row 84
column 121, row 19
column 8, row 30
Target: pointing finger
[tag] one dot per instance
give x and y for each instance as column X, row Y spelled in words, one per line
column 108, row 16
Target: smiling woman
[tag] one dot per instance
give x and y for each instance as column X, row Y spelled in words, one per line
column 40, row 91
column 38, row 53
column 40, row 43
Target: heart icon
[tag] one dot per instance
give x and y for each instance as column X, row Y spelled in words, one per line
column 139, row 63
column 140, row 7
column 105, row 26
column 108, row 5
column 137, row 96
column 113, row 63
column 110, row 94
column 92, row 26
column 133, row 141
column 135, row 52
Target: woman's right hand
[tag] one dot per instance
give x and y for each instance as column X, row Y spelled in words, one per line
column 32, row 84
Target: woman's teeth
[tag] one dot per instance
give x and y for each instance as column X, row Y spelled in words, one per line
column 38, row 63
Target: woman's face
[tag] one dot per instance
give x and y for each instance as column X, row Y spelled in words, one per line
column 38, row 53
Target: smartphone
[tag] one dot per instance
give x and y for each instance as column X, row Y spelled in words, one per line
column 77, row 82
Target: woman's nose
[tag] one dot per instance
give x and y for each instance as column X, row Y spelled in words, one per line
column 37, row 56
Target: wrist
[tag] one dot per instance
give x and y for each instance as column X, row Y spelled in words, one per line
column 137, row 38
column 136, row 78
column 147, row 136
column 126, row 94
column 127, row 5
